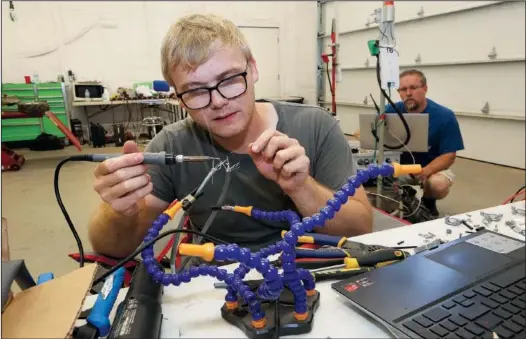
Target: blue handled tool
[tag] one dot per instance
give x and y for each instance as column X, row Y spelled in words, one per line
column 42, row 278
column 98, row 322
column 320, row 239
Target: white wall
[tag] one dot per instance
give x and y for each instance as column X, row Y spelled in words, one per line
column 118, row 43
column 453, row 39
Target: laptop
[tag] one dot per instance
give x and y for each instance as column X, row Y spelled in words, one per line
column 418, row 126
column 471, row 287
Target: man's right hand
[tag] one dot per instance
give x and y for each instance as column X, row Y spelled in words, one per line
column 122, row 182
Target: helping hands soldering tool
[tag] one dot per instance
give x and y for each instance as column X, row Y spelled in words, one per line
column 160, row 158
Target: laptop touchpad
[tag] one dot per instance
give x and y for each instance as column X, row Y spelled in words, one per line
column 469, row 259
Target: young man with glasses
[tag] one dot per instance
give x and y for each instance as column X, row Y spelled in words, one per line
column 444, row 139
column 290, row 156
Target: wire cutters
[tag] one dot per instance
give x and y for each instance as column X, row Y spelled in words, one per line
column 336, row 242
column 319, row 258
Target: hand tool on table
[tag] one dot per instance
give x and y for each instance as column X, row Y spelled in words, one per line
column 161, row 158
column 98, row 322
column 325, row 257
column 337, row 274
column 355, row 247
column 429, row 246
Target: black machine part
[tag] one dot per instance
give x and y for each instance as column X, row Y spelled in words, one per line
column 140, row 313
column 118, row 135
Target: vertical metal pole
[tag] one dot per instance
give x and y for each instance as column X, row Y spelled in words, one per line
column 334, row 65
column 320, row 90
column 380, row 154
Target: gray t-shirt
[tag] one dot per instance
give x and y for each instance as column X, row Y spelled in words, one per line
column 331, row 163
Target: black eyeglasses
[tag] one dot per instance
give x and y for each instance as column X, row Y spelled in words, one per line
column 412, row 88
column 229, row 88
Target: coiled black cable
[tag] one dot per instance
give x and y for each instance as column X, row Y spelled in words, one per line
column 404, row 122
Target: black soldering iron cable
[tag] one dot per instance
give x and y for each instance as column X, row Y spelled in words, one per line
column 61, row 204
column 400, row 114
column 151, row 242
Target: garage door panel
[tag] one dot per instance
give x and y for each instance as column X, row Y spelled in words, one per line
column 356, row 85
column 499, row 142
column 407, row 10
column 464, row 88
column 476, row 32
column 353, row 15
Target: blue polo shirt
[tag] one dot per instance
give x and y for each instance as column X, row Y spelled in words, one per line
column 443, row 137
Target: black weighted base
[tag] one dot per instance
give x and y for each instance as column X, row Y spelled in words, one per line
column 288, row 325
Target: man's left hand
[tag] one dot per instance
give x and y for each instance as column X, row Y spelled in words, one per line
column 280, row 159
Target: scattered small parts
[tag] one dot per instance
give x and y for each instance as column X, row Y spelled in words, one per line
column 448, row 231
column 451, row 221
column 518, row 210
column 400, row 242
column 427, row 235
column 517, row 226
column 491, row 216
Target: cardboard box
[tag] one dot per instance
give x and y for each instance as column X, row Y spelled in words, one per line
column 49, row 310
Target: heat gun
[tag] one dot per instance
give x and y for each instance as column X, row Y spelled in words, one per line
column 140, row 313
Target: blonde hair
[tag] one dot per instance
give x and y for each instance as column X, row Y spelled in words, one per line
column 190, row 42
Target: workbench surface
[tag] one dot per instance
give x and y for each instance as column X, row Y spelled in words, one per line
column 193, row 310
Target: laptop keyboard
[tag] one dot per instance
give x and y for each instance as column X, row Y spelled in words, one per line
column 494, row 306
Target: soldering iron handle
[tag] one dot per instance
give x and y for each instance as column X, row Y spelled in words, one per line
column 319, row 239
column 149, row 158
column 100, row 313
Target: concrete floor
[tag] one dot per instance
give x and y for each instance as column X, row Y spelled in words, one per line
column 39, row 234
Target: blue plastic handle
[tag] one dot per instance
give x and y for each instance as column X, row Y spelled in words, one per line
column 100, row 313
column 42, row 278
column 326, row 240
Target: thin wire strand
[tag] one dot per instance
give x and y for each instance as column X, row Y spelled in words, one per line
column 419, row 202
column 405, row 146
column 386, row 197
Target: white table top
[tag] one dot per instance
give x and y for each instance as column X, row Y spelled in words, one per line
column 193, row 310
column 126, row 102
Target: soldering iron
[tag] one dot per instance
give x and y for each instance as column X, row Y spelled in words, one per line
column 160, row 158
column 140, row 313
